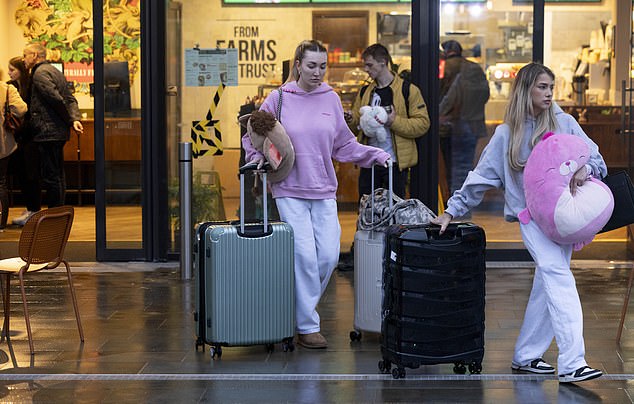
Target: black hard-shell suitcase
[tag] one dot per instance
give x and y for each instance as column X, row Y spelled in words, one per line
column 433, row 305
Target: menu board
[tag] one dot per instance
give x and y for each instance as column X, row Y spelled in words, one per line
column 211, row 67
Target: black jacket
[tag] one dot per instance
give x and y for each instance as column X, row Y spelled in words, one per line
column 52, row 107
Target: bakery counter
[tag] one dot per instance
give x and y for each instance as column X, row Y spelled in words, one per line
column 122, row 141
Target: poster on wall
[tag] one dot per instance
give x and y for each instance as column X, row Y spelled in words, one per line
column 211, row 67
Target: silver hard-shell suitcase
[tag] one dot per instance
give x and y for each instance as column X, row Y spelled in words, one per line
column 245, row 282
column 368, row 274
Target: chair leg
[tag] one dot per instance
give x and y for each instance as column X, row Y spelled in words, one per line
column 626, row 303
column 26, row 313
column 72, row 293
column 6, row 304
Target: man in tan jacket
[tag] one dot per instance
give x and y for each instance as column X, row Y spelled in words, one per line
column 407, row 119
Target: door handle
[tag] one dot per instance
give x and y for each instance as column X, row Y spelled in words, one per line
column 624, row 90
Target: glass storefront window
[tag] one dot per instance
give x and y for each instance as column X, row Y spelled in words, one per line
column 263, row 44
column 497, row 36
column 122, row 124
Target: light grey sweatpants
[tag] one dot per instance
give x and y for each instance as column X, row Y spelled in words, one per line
column 554, row 308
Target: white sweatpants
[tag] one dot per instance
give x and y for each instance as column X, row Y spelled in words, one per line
column 317, row 236
column 554, row 308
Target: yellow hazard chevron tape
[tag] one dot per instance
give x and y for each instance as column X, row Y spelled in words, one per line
column 205, row 134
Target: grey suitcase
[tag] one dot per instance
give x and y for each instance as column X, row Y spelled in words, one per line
column 368, row 275
column 245, row 282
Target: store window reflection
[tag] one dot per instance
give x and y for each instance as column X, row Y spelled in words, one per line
column 264, row 44
column 583, row 59
column 122, row 124
column 498, row 37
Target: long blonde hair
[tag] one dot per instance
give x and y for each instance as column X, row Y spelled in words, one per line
column 520, row 107
column 307, row 45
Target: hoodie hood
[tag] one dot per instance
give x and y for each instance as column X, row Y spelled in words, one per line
column 293, row 88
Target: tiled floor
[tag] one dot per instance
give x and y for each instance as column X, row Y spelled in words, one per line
column 140, row 347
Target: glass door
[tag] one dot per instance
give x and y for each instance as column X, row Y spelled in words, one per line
column 499, row 38
column 118, row 130
column 628, row 101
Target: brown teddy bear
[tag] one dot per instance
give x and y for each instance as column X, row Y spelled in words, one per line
column 269, row 137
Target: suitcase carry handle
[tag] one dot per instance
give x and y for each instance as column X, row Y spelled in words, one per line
column 390, row 182
column 451, row 236
column 254, row 167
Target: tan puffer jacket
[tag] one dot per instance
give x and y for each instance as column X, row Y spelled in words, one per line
column 406, row 128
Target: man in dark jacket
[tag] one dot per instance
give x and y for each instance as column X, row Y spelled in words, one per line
column 464, row 91
column 53, row 110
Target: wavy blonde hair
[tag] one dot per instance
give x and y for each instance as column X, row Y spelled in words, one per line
column 520, row 107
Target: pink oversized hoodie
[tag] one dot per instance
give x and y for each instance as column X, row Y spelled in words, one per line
column 315, row 124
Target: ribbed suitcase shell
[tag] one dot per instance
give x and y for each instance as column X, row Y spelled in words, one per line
column 368, row 280
column 368, row 272
column 434, row 296
column 249, row 286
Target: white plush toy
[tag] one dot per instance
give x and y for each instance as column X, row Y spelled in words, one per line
column 372, row 122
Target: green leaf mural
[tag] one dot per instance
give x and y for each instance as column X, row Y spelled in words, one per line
column 65, row 28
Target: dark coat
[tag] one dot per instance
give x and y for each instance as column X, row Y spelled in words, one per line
column 52, row 107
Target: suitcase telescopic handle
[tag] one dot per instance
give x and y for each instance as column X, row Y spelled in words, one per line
column 390, row 182
column 243, row 170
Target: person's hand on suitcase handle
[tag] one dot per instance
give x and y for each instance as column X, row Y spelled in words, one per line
column 443, row 221
column 387, row 163
column 257, row 164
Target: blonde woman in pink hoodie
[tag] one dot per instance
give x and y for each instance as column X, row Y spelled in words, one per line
column 312, row 114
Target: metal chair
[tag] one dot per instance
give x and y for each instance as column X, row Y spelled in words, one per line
column 41, row 247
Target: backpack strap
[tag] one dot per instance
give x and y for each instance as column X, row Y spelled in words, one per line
column 363, row 90
column 405, row 91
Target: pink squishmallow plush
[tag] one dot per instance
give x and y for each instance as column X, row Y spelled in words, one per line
column 563, row 217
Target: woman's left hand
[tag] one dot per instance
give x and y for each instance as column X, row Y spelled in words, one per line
column 578, row 179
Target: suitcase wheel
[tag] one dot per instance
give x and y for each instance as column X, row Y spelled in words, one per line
column 215, row 352
column 288, row 345
column 398, row 373
column 460, row 368
column 200, row 343
column 385, row 366
column 475, row 367
column 355, row 335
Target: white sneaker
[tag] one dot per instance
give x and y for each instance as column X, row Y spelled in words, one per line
column 579, row 375
column 536, row 366
column 20, row 220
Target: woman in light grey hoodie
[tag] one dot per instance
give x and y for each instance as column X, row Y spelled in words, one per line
column 553, row 309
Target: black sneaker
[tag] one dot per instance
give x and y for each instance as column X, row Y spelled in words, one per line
column 536, row 366
column 581, row 374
